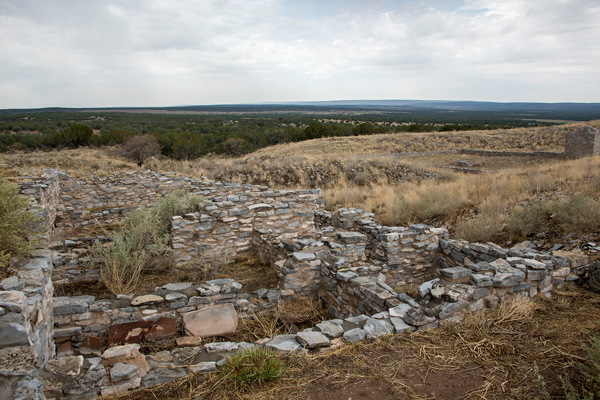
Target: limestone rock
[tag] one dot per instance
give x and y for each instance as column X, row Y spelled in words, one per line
column 211, row 321
column 284, row 343
column 312, row 340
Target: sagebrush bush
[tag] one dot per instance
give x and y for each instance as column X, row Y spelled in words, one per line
column 142, row 242
column 577, row 213
column 529, row 220
column 253, row 366
column 17, row 223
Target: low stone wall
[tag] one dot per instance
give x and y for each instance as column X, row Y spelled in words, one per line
column 226, row 223
column 26, row 327
column 409, row 253
column 582, row 142
column 495, row 153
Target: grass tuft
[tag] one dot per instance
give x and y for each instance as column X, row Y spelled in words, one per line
column 254, row 366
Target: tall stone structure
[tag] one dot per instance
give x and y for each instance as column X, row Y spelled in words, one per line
column 583, row 142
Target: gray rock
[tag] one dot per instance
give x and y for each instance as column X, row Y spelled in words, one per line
column 221, row 347
column 330, row 329
column 450, row 308
column 403, row 297
column 480, row 280
column 455, row 273
column 206, row 366
column 425, row 288
column 159, row 376
column 312, row 340
column 400, row 326
column 284, row 343
column 69, row 305
column 123, row 372
column 298, row 256
column 13, row 334
column 177, row 287
column 399, row 310
column 354, row 335
column 417, row 317
column 507, row 279
column 375, row 328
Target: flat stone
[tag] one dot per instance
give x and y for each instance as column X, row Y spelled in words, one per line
column 129, row 332
column 330, row 329
column 147, row 299
column 375, row 328
column 354, row 335
column 68, row 305
column 13, row 301
column 480, row 280
column 65, row 366
column 298, row 256
column 123, row 372
column 211, row 321
column 312, row 340
column 221, row 347
column 507, row 279
column 533, row 264
column 206, row 366
column 121, row 387
column 177, row 287
column 163, row 328
column 188, row 341
column 400, row 326
column 159, row 376
column 456, row 274
column 399, row 310
column 284, row 343
column 13, row 334
column 92, row 345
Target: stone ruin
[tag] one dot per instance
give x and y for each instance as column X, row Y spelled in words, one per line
column 55, row 347
column 582, row 142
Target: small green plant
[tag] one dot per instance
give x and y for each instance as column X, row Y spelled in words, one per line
column 253, row 366
column 18, row 232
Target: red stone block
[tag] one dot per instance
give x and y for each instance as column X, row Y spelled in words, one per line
column 163, row 328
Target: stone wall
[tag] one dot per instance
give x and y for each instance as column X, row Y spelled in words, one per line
column 26, row 327
column 226, row 223
column 582, row 142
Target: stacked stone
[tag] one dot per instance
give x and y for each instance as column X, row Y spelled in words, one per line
column 226, row 223
column 78, row 318
column 43, row 190
column 409, row 253
column 70, row 260
column 26, row 327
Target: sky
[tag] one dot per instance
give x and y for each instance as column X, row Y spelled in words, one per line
column 142, row 53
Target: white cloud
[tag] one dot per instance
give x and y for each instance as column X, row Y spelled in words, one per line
column 158, row 52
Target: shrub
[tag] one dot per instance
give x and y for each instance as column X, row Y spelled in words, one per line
column 17, row 233
column 141, row 147
column 529, row 220
column 122, row 263
column 141, row 243
column 253, row 366
column 577, row 213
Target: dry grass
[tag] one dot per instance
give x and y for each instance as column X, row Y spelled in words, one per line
column 497, row 350
column 367, row 172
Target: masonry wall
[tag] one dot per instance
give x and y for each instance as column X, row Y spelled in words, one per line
column 582, row 142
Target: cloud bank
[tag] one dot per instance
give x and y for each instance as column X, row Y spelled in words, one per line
column 155, row 52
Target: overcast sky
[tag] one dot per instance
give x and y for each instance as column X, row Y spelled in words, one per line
column 102, row 53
